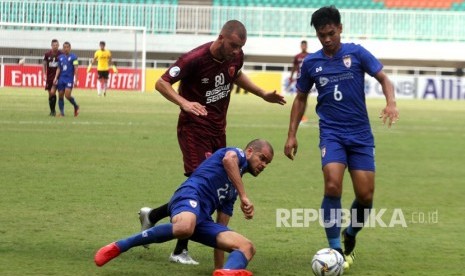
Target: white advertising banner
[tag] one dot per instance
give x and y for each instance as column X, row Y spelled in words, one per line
column 408, row 87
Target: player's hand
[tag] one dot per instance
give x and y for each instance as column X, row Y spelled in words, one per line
column 390, row 114
column 195, row 108
column 274, row 97
column 247, row 208
column 55, row 81
column 290, row 148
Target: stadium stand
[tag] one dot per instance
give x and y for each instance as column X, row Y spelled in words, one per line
column 273, row 23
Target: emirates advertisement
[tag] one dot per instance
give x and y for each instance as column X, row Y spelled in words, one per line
column 32, row 76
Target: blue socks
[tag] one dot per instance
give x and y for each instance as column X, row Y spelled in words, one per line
column 236, row 260
column 61, row 105
column 332, row 220
column 72, row 101
column 157, row 234
column 361, row 213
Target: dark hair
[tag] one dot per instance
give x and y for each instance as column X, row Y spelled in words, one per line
column 102, row 43
column 67, row 43
column 54, row 40
column 325, row 16
column 303, row 42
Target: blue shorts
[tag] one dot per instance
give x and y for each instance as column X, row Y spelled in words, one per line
column 357, row 151
column 187, row 199
column 64, row 84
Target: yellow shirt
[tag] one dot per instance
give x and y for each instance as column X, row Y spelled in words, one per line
column 103, row 60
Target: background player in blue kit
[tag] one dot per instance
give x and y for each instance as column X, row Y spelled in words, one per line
column 214, row 185
column 346, row 140
column 66, row 78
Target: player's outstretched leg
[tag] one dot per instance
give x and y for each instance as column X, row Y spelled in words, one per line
column 232, row 272
column 156, row 234
column 148, row 217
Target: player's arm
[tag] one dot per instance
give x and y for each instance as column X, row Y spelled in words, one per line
column 57, row 74
column 113, row 66
column 390, row 112
column 169, row 93
column 245, row 83
column 298, row 109
column 44, row 65
column 218, row 254
column 231, row 166
column 76, row 65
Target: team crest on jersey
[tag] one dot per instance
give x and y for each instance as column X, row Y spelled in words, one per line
column 323, row 152
column 204, row 80
column 347, row 61
column 231, row 71
column 193, row 203
column 174, row 71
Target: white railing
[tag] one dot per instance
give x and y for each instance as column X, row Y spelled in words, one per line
column 260, row 21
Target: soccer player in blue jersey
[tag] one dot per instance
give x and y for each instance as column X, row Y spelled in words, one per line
column 66, row 78
column 213, row 186
column 346, row 139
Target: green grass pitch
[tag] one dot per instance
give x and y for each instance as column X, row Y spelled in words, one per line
column 71, row 185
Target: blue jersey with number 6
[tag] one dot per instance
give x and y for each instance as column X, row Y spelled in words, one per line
column 340, row 82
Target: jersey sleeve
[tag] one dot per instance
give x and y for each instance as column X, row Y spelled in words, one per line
column 370, row 63
column 180, row 69
column 304, row 80
column 96, row 54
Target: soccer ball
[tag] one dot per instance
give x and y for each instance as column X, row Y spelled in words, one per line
column 328, row 262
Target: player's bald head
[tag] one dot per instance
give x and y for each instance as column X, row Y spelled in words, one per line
column 259, row 145
column 234, row 27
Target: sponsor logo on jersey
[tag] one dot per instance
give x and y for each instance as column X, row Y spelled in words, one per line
column 174, row 71
column 347, row 61
column 193, row 203
column 204, row 80
column 323, row 81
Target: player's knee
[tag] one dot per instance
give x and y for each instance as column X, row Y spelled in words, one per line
column 183, row 231
column 333, row 188
column 248, row 248
column 365, row 198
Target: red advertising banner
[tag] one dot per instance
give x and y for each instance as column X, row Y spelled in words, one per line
column 32, row 76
